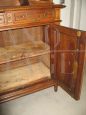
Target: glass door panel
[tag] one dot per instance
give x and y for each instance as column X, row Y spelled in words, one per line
column 24, row 58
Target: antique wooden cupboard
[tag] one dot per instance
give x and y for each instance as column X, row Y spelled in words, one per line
column 37, row 53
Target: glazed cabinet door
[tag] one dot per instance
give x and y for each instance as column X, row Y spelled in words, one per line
column 69, row 48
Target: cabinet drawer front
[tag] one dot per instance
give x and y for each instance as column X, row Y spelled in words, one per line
column 20, row 18
column 33, row 16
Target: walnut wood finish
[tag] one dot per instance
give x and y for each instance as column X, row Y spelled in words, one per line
column 20, row 17
column 9, row 3
column 26, row 90
column 67, row 47
column 70, row 50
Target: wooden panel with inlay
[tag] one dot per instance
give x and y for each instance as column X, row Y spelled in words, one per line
column 15, row 18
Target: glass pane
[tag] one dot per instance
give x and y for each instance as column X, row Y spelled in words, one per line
column 24, row 57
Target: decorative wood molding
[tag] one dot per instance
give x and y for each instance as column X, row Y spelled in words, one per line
column 19, row 17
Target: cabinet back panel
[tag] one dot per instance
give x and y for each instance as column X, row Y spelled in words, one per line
column 14, row 37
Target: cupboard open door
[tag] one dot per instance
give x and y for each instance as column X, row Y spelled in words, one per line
column 70, row 51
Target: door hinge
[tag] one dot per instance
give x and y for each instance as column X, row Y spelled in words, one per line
column 78, row 33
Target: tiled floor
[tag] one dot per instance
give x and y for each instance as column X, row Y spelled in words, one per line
column 47, row 102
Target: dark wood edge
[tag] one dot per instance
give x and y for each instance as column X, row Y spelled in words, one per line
column 3, row 9
column 66, row 89
column 27, row 25
column 60, row 27
column 29, row 90
column 58, row 6
column 81, row 62
column 29, row 84
column 66, row 30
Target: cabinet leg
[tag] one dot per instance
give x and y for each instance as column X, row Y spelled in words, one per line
column 55, row 88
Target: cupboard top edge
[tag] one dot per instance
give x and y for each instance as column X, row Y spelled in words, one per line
column 2, row 9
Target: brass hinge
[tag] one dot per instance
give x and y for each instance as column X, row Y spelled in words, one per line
column 78, row 33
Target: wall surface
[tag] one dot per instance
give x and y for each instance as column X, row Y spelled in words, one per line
column 74, row 14
column 83, row 16
column 65, row 14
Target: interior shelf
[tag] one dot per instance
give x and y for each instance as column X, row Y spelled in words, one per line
column 23, row 76
column 22, row 51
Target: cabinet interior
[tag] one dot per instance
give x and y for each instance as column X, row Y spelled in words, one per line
column 40, row 55
column 24, row 57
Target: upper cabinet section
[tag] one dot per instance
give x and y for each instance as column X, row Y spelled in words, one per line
column 27, row 16
column 8, row 3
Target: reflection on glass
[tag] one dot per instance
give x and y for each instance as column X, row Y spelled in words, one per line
column 24, row 58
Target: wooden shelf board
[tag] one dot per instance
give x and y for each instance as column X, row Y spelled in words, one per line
column 23, row 51
column 23, row 76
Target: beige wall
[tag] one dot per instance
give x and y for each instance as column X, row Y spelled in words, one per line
column 65, row 14
column 74, row 15
column 83, row 16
